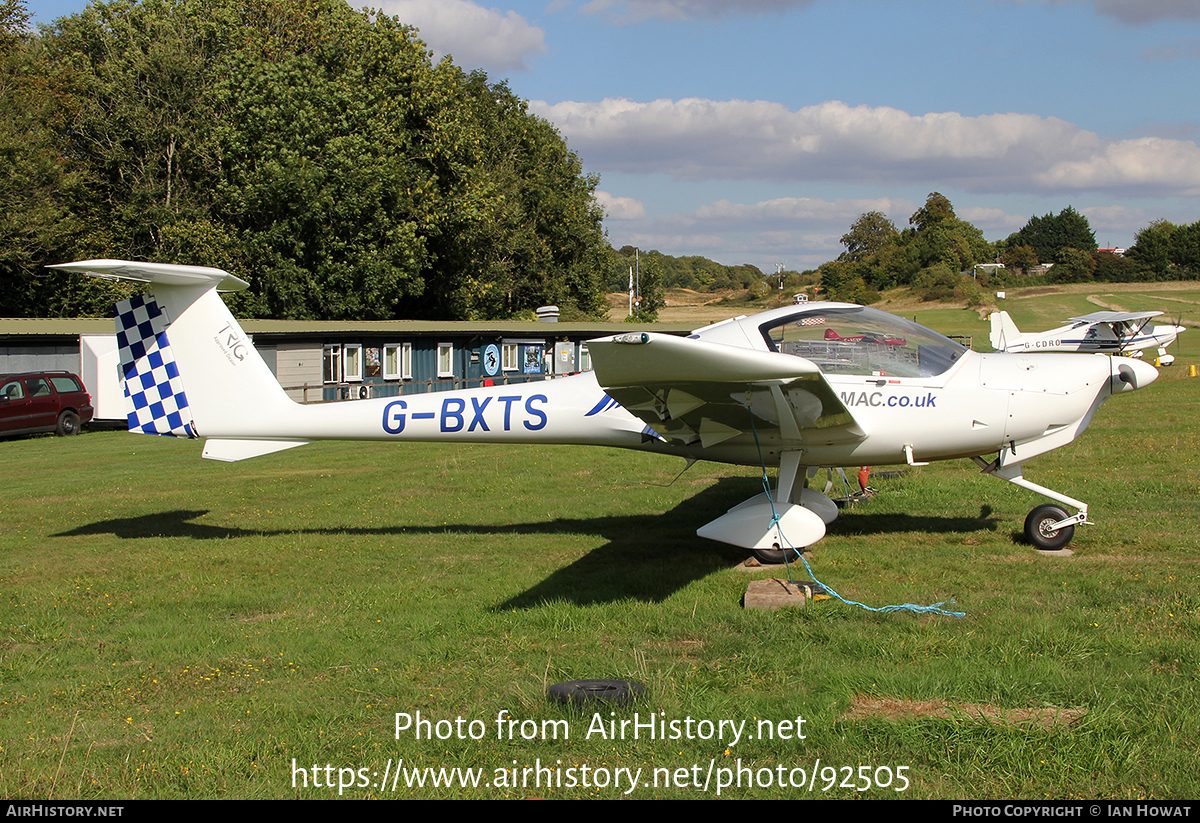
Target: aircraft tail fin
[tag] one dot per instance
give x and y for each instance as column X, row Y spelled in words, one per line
column 156, row 400
column 188, row 367
column 1004, row 331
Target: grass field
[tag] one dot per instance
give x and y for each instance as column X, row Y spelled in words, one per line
column 176, row 628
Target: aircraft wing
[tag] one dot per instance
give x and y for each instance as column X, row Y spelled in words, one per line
column 694, row 391
column 1115, row 316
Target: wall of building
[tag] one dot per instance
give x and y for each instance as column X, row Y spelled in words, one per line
column 296, row 364
column 47, row 357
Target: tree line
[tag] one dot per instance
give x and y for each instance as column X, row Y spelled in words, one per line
column 937, row 253
column 314, row 150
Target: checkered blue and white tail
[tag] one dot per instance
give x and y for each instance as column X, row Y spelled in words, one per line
column 158, row 403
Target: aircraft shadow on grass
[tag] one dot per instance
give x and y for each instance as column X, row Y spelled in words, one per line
column 646, row 557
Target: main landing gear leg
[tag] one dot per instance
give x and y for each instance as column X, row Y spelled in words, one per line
column 1047, row 527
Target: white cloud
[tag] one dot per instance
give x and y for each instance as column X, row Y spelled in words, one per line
column 799, row 232
column 699, row 139
column 1171, row 131
column 1186, row 48
column 620, row 208
column 797, row 211
column 632, row 11
column 660, row 241
column 1130, row 12
column 1110, row 222
column 992, row 220
column 1119, row 218
column 1151, row 163
column 1138, row 12
column 476, row 37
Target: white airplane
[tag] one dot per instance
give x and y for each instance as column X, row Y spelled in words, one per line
column 766, row 390
column 1110, row 332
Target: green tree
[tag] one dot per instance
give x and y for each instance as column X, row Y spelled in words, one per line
column 1052, row 233
column 1185, row 250
column 14, row 16
column 320, row 114
column 524, row 220
column 845, row 281
column 896, row 263
column 43, row 195
column 869, row 234
column 940, row 237
column 881, row 258
column 1019, row 257
column 1113, row 269
column 1073, row 266
column 937, row 209
column 143, row 122
column 650, row 295
column 1151, row 248
column 317, row 152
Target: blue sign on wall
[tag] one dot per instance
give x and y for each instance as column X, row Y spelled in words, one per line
column 491, row 360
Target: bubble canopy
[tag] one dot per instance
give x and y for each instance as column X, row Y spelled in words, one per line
column 857, row 340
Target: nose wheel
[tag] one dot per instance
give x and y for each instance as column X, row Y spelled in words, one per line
column 1042, row 528
column 1047, row 527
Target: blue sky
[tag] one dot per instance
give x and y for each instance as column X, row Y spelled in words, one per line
column 759, row 130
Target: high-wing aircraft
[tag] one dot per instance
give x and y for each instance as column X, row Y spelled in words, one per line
column 1109, row 332
column 766, row 390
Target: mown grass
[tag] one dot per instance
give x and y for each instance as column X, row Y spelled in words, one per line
column 1034, row 310
column 174, row 627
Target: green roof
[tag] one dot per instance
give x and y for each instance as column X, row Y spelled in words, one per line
column 51, row 326
column 59, row 326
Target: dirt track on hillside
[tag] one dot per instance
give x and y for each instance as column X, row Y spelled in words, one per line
column 687, row 306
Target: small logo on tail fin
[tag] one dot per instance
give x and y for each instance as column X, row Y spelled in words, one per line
column 152, row 381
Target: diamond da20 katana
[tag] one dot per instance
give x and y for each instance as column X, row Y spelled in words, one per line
column 773, row 388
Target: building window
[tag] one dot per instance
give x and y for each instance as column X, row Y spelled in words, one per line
column 352, row 362
column 510, row 357
column 397, row 361
column 331, row 366
column 391, row 361
column 445, row 359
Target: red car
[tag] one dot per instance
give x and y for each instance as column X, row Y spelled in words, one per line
column 48, row 401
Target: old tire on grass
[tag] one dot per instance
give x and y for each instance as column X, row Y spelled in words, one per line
column 583, row 692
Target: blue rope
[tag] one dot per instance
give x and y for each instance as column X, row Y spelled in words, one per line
column 936, row 608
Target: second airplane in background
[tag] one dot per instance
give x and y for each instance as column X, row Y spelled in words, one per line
column 1106, row 332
